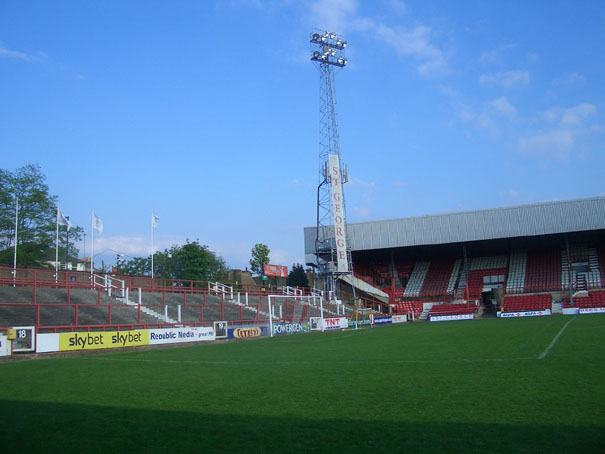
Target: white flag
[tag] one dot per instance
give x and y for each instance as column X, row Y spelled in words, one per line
column 97, row 223
column 154, row 220
column 62, row 220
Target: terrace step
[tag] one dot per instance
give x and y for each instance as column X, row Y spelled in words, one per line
column 148, row 311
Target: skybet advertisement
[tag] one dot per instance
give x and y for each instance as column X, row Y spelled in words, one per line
column 60, row 342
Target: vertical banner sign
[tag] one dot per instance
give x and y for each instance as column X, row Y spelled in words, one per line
column 338, row 211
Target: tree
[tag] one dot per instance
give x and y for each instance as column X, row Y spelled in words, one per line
column 297, row 276
column 196, row 262
column 191, row 261
column 36, row 221
column 260, row 257
column 138, row 266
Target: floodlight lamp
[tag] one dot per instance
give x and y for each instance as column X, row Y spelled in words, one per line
column 316, row 54
column 332, row 35
column 315, row 37
column 344, row 44
column 326, row 34
column 340, row 60
column 345, row 61
column 333, row 53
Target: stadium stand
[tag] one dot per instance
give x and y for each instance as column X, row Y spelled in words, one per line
column 518, row 303
column 601, row 258
column 594, row 299
column 37, row 298
column 452, row 309
column 438, row 277
column 451, row 286
column 416, row 280
column 516, row 271
column 543, row 272
column 585, row 268
column 477, row 278
column 408, row 307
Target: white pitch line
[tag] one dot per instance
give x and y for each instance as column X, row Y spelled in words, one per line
column 317, row 363
column 554, row 341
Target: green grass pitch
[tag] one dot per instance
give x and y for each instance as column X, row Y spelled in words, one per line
column 515, row 385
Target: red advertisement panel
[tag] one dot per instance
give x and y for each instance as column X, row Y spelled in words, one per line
column 275, row 270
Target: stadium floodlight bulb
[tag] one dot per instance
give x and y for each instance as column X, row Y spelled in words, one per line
column 332, row 35
column 333, row 53
column 316, row 54
column 316, row 36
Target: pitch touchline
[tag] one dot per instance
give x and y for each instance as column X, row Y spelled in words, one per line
column 554, row 341
column 269, row 363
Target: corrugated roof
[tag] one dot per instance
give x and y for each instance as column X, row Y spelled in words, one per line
column 508, row 222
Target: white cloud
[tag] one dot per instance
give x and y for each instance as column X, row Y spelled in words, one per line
column 481, row 120
column 502, row 106
column 415, row 43
column 490, row 57
column 512, row 195
column 559, row 141
column 506, row 79
column 361, row 212
column 564, row 127
column 397, row 6
column 340, row 15
column 296, row 183
column 569, row 79
column 575, row 115
column 333, row 15
column 18, row 55
column 134, row 246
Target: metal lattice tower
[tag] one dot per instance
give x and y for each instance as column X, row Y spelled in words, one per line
column 332, row 246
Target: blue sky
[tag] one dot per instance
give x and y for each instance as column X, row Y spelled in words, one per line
column 207, row 112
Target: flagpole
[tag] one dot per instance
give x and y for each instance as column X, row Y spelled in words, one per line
column 152, row 250
column 92, row 249
column 57, row 247
column 16, row 237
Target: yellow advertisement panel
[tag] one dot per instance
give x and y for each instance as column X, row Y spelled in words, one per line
column 108, row 339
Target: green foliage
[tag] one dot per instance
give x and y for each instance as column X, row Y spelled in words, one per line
column 138, row 266
column 36, row 220
column 260, row 256
column 191, row 261
column 297, row 276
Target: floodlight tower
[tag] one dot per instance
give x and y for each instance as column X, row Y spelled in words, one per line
column 331, row 245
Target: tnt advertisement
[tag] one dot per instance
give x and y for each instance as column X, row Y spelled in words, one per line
column 332, row 323
column 248, row 332
column 179, row 335
column 291, row 328
column 97, row 340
